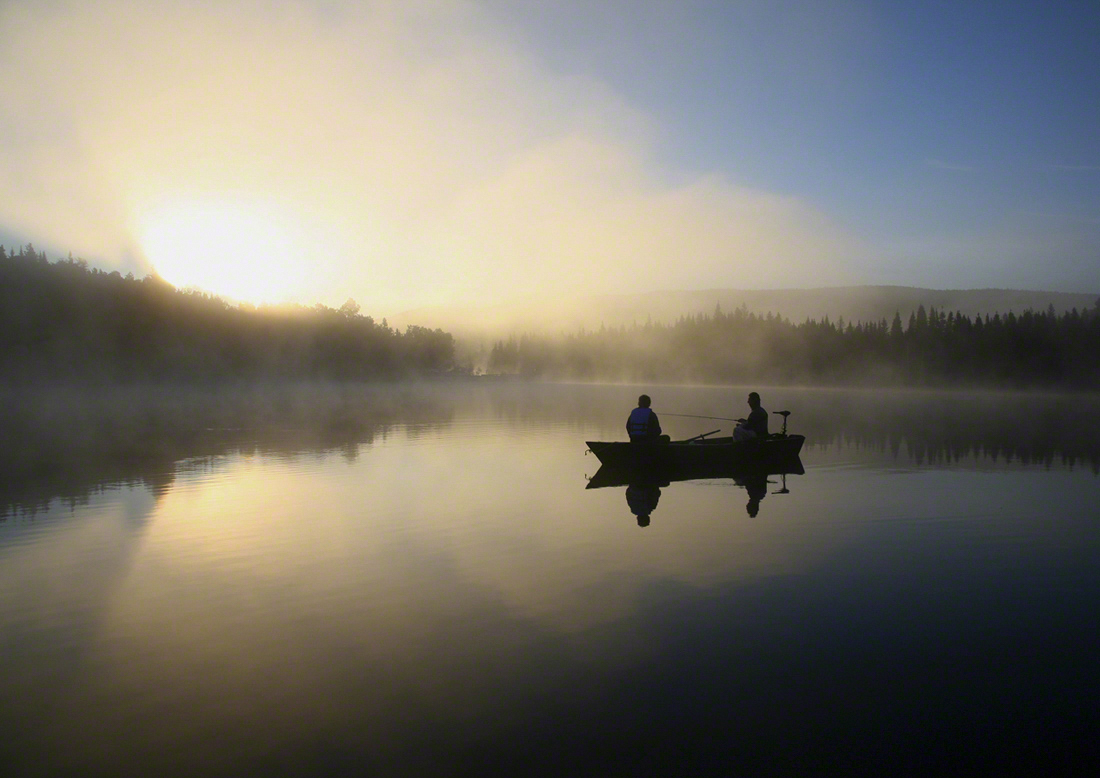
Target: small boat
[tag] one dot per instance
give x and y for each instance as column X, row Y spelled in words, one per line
column 701, row 453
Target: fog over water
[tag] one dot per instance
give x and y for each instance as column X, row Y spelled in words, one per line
column 67, row 437
column 415, row 580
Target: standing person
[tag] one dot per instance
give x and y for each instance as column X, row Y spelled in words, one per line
column 642, row 425
column 756, row 426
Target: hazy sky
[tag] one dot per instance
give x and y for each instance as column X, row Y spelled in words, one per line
column 408, row 153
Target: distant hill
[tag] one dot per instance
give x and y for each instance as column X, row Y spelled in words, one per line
column 854, row 303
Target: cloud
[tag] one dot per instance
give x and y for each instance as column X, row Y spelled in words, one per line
column 418, row 153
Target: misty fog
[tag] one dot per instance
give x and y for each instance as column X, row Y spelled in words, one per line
column 66, row 443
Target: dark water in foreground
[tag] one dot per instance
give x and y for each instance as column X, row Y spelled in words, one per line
column 417, row 582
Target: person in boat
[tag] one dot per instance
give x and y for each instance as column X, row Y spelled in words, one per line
column 642, row 425
column 756, row 426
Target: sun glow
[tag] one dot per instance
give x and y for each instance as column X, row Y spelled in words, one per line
column 248, row 252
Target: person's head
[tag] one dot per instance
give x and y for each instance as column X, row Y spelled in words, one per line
column 753, row 508
column 643, row 520
column 643, row 401
column 754, row 400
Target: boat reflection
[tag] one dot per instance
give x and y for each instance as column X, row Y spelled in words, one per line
column 643, row 486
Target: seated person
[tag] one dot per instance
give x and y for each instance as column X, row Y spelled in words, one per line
column 756, row 426
column 642, row 425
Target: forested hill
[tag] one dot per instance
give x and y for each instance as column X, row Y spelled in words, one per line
column 853, row 303
column 61, row 321
column 932, row 348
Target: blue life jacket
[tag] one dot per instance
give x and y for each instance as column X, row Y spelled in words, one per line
column 638, row 424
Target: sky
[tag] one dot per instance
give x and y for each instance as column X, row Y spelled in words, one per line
column 462, row 151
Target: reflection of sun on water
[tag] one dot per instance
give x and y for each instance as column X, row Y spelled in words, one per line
column 246, row 252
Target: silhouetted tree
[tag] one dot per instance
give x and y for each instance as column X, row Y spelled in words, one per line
column 64, row 322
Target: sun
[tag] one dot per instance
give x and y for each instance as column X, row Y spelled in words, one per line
column 244, row 251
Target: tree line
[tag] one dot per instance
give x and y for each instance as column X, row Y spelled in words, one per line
column 64, row 321
column 934, row 347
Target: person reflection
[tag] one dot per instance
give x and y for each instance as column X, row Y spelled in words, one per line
column 757, row 487
column 642, row 499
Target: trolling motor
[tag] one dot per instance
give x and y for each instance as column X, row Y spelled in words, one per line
column 784, row 414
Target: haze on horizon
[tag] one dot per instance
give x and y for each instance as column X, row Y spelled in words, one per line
column 418, row 153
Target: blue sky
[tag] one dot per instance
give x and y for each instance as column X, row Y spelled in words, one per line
column 920, row 122
column 486, row 150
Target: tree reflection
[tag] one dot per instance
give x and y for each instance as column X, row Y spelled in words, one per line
column 71, row 445
column 943, row 428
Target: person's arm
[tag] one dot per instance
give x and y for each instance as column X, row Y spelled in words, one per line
column 654, row 424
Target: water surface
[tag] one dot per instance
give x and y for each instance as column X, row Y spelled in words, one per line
column 418, row 582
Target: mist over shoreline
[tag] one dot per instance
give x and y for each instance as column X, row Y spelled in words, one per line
column 64, row 322
column 862, row 303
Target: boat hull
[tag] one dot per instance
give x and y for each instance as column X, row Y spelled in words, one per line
column 716, row 453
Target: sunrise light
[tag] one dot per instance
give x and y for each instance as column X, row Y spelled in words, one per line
column 246, row 251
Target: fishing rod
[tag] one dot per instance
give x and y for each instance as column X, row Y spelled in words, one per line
column 692, row 416
column 784, row 414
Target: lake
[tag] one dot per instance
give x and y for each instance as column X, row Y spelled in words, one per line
column 416, row 581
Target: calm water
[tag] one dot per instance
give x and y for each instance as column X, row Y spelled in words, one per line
column 336, row 581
